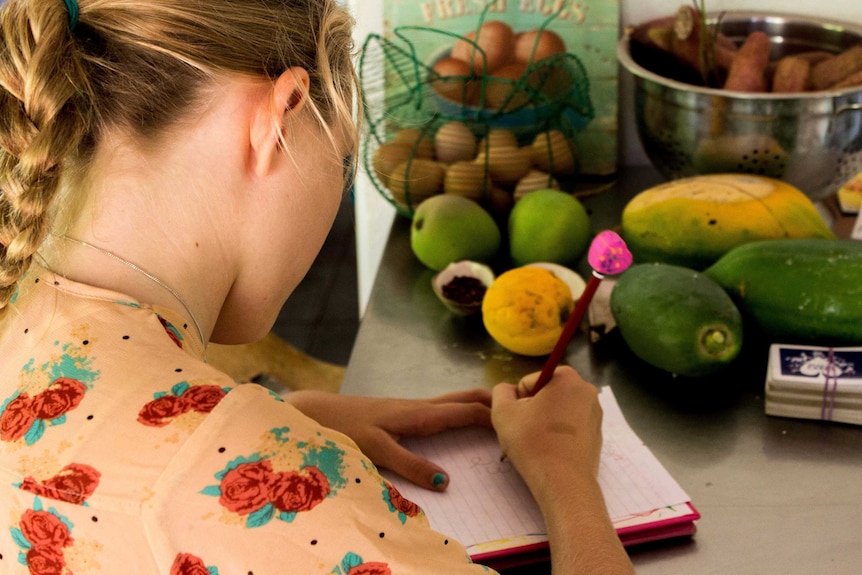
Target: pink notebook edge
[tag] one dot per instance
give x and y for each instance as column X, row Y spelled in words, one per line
column 672, row 527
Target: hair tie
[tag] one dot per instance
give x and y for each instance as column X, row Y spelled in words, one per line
column 72, row 7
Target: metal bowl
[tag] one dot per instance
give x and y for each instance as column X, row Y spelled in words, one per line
column 812, row 140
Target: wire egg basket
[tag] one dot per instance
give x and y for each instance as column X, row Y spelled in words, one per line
column 407, row 99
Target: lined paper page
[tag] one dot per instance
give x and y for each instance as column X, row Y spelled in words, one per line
column 486, row 499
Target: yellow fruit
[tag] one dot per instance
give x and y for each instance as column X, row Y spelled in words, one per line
column 692, row 222
column 525, row 309
column 850, row 195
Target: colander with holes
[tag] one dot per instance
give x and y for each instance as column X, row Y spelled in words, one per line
column 812, row 140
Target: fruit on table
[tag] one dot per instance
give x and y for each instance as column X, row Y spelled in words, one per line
column 548, row 226
column 797, row 291
column 676, row 319
column 694, row 221
column 448, row 228
column 461, row 286
column 850, row 194
column 525, row 309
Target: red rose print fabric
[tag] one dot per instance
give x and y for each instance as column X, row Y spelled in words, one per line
column 182, row 398
column 25, row 417
column 251, row 487
column 188, row 564
column 352, row 564
column 399, row 504
column 124, row 453
column 74, row 484
column 42, row 537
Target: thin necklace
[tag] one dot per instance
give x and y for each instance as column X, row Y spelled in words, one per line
column 150, row 277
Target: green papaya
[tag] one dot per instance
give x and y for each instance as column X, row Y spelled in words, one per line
column 676, row 319
column 797, row 290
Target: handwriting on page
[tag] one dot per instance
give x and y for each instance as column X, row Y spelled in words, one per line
column 487, row 500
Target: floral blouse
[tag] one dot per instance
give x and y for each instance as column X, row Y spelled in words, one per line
column 121, row 452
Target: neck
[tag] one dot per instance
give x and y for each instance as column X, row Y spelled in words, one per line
column 153, row 278
column 78, row 260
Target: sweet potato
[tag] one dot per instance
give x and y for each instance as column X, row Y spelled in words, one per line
column 814, row 56
column 791, row 75
column 854, row 79
column 748, row 71
column 725, row 51
column 833, row 70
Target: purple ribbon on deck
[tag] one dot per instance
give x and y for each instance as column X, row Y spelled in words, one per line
column 830, row 386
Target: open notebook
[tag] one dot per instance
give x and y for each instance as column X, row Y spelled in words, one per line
column 489, row 509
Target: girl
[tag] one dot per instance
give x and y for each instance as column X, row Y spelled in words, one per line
column 168, row 171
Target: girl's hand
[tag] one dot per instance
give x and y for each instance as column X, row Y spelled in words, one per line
column 376, row 425
column 561, row 423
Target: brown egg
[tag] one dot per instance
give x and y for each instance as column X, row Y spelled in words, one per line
column 419, row 140
column 506, row 164
column 495, row 38
column 535, row 180
column 453, row 142
column 453, row 79
column 536, row 45
column 505, row 88
column 466, row 179
column 554, row 153
column 387, row 157
column 415, row 180
column 498, row 137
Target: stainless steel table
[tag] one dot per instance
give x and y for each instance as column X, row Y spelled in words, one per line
column 777, row 495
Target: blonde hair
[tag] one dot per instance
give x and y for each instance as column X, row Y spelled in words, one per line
column 138, row 65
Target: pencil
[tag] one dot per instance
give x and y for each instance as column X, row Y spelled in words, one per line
column 608, row 254
column 572, row 324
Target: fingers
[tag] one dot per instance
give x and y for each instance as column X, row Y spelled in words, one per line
column 527, row 383
column 502, row 393
column 416, row 469
column 477, row 395
column 440, row 417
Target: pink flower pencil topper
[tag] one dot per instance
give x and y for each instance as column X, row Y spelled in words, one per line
column 609, row 254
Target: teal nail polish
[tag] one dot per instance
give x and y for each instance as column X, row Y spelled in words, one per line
column 438, row 480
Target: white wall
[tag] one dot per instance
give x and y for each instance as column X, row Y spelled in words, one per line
column 374, row 215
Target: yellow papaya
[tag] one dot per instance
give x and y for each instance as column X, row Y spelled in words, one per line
column 693, row 221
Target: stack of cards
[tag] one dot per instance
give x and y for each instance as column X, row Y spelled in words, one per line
column 815, row 383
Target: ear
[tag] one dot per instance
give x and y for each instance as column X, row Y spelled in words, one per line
column 287, row 96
